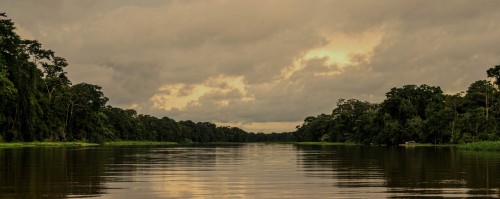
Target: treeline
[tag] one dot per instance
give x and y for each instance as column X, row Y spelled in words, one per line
column 128, row 125
column 39, row 103
column 413, row 113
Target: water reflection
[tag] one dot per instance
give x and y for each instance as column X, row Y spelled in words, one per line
column 171, row 172
column 50, row 173
column 249, row 170
column 407, row 172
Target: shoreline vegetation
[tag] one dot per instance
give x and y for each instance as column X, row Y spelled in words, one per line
column 45, row 144
column 481, row 146
column 319, row 143
column 492, row 146
column 82, row 144
column 138, row 143
column 148, row 143
column 39, row 103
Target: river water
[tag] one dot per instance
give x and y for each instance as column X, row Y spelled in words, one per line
column 248, row 171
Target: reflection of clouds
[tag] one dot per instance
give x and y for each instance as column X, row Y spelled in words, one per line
column 196, row 184
column 247, row 171
column 229, row 175
column 298, row 171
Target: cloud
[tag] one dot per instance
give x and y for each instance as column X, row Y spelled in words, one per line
column 218, row 91
column 270, row 63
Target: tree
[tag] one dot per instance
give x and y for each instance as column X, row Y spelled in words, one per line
column 19, row 59
column 8, row 94
column 83, row 121
column 494, row 73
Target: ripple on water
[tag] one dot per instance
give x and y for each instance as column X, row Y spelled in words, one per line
column 249, row 170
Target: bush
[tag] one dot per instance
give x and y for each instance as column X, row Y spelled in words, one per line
column 481, row 146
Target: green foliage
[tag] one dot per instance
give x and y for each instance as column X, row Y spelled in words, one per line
column 138, row 143
column 494, row 73
column 8, row 94
column 481, row 146
column 413, row 113
column 44, row 144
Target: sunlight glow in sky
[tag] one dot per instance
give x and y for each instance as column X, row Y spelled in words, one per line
column 340, row 47
column 337, row 53
column 179, row 96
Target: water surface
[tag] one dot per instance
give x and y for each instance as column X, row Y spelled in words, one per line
column 248, row 171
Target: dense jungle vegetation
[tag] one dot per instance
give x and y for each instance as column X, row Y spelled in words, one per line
column 412, row 113
column 39, row 103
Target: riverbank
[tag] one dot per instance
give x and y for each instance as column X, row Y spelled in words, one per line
column 147, row 143
column 475, row 146
column 426, row 145
column 45, row 144
column 481, row 146
column 138, row 143
column 310, row 143
column 81, row 144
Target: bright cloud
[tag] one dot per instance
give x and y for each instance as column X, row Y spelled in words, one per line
column 179, row 96
column 339, row 51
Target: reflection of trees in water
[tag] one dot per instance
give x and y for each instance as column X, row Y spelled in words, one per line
column 191, row 155
column 160, row 159
column 411, row 169
column 64, row 172
column 51, row 172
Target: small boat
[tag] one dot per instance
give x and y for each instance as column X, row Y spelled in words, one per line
column 410, row 142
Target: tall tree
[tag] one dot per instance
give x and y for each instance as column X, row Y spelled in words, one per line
column 494, row 73
column 83, row 118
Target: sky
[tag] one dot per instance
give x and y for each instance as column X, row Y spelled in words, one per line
column 262, row 66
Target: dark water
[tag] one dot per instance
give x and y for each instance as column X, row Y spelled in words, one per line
column 248, row 171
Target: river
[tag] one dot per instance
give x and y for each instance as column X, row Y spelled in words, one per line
column 248, row 171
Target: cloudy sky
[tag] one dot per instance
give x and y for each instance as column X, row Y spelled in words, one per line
column 262, row 65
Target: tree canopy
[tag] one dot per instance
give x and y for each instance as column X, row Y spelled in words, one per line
column 422, row 114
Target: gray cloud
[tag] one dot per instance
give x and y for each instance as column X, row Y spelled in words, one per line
column 134, row 48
